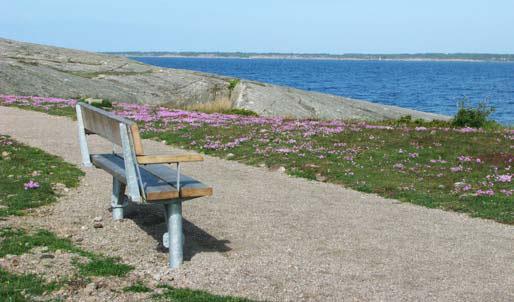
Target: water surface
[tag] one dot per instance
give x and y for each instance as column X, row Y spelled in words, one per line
column 427, row 86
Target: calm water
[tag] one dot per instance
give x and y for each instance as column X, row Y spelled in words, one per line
column 428, row 86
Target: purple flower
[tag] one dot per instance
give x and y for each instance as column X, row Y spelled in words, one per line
column 463, row 158
column 504, row 178
column 487, row 192
column 456, row 169
column 31, row 185
column 507, row 192
column 442, row 161
column 399, row 166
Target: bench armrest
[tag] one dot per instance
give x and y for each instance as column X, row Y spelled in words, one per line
column 167, row 159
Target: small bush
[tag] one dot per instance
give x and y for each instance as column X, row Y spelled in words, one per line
column 475, row 117
column 240, row 111
column 232, row 84
column 102, row 104
column 407, row 120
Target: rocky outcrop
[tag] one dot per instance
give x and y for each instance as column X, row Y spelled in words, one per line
column 32, row 69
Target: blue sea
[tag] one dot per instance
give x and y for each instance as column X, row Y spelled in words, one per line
column 423, row 85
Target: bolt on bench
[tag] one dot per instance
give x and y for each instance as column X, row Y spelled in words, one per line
column 141, row 178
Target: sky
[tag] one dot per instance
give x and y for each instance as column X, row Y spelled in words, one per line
column 300, row 26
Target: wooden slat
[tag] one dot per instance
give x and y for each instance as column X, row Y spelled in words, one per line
column 163, row 159
column 189, row 187
column 155, row 188
column 138, row 144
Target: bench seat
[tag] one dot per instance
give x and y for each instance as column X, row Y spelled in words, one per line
column 159, row 181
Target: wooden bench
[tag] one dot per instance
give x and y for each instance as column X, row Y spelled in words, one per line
column 138, row 177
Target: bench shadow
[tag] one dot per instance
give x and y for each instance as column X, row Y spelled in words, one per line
column 150, row 218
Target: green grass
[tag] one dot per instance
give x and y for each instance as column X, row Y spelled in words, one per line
column 59, row 111
column 189, row 295
column 238, row 111
column 18, row 241
column 19, row 164
column 15, row 287
column 137, row 288
column 368, row 161
column 20, row 288
column 232, row 84
column 103, row 266
column 413, row 161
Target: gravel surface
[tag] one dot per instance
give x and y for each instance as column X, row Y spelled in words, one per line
column 267, row 236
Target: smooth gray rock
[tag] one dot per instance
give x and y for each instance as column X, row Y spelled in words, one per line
column 32, row 69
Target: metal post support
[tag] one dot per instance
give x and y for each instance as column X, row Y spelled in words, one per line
column 175, row 235
column 118, row 202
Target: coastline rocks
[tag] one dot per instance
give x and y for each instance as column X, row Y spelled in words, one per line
column 32, row 69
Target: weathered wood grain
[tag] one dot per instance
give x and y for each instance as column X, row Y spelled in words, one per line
column 166, row 159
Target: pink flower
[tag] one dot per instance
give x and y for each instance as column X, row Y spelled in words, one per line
column 399, row 166
column 504, row 178
column 413, row 155
column 465, row 158
column 442, row 161
column 31, row 185
column 507, row 192
column 456, row 169
column 487, row 192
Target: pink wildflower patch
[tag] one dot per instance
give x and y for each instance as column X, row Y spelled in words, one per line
column 31, row 185
column 441, row 161
column 456, row 169
column 487, row 192
column 504, row 178
column 463, row 158
column 507, row 192
column 399, row 166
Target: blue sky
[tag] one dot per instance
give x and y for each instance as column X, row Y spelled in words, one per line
column 322, row 26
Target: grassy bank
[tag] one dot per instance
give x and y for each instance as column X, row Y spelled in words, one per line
column 32, row 178
column 459, row 169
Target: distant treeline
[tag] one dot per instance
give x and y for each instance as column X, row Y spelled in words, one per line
column 350, row 56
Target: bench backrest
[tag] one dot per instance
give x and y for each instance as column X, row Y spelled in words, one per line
column 119, row 131
column 107, row 125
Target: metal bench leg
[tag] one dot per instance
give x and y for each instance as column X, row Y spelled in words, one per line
column 175, row 235
column 118, row 202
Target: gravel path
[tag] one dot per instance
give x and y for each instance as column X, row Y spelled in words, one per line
column 268, row 236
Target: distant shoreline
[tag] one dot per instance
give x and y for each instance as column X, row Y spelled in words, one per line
column 508, row 58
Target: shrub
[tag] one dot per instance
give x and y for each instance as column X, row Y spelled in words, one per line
column 475, row 117
column 407, row 120
column 97, row 103
column 240, row 111
column 232, row 84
